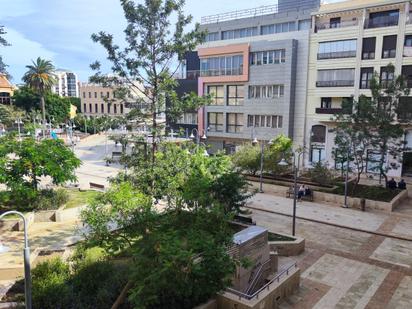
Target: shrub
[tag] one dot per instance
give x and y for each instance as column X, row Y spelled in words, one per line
column 247, row 158
column 321, row 174
column 50, row 199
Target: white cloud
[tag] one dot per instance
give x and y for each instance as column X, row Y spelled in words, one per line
column 14, row 8
column 22, row 52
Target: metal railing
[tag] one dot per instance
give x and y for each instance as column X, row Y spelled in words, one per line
column 277, row 278
column 221, row 72
column 342, row 24
column 335, row 83
column 335, row 55
column 191, row 74
column 383, row 21
column 328, row 111
column 256, row 277
column 262, row 10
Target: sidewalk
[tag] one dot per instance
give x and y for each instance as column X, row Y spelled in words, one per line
column 390, row 224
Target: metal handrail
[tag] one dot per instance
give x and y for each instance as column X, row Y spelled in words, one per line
column 266, row 286
column 257, row 276
column 262, row 10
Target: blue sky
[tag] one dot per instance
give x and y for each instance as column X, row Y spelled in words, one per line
column 60, row 30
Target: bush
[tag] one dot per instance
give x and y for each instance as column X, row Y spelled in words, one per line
column 321, row 174
column 247, row 158
column 50, row 199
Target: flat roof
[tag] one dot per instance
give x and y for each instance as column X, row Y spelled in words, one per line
column 353, row 5
column 247, row 234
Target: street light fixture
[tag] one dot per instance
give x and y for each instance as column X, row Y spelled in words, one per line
column 26, row 254
column 19, row 122
column 283, row 162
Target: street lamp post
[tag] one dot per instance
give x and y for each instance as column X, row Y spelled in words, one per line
column 19, row 122
column 26, row 254
column 192, row 136
column 295, row 181
column 262, row 151
column 346, row 179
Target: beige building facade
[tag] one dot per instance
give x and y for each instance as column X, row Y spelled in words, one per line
column 349, row 42
column 97, row 100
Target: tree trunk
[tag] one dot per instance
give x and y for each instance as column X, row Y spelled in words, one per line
column 43, row 110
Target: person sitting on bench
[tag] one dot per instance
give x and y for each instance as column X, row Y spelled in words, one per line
column 402, row 185
column 301, row 192
column 392, row 184
column 308, row 192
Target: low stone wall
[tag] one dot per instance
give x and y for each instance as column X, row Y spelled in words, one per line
column 17, row 224
column 288, row 248
column 268, row 299
column 211, row 304
column 337, row 200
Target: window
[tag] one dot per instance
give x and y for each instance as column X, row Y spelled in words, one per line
column 235, row 94
column 217, row 94
column 366, row 77
column 215, row 122
column 95, row 95
column 101, row 94
column 108, row 107
column 317, row 154
column 265, row 121
column 115, row 108
column 407, row 49
column 212, row 36
column 239, row 33
column 334, row 22
column 90, row 95
column 108, row 94
column 382, row 19
column 389, row 46
column 217, row 66
column 102, row 108
column 304, row 24
column 387, row 76
column 318, row 134
column 84, row 95
column 269, row 91
column 337, row 49
column 90, row 108
column 5, row 98
column 234, row 122
column 278, row 28
column 268, row 57
column 84, row 107
column 326, row 103
column 96, row 108
column 188, row 118
column 121, row 109
column 336, row 78
column 368, row 48
column 407, row 74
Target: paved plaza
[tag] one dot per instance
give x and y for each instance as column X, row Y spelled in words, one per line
column 344, row 267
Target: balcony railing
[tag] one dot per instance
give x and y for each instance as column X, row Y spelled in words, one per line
column 221, row 72
column 342, row 24
column 383, row 21
column 335, row 55
column 191, row 74
column 335, row 83
column 328, row 111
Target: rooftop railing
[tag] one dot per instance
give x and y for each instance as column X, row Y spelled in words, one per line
column 342, row 24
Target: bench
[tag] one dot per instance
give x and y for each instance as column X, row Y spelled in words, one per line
column 306, row 197
column 243, row 219
column 96, row 186
column 116, row 154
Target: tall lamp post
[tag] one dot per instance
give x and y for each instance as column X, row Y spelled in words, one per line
column 345, row 205
column 262, row 153
column 26, row 253
column 198, row 137
column 19, row 122
column 283, row 162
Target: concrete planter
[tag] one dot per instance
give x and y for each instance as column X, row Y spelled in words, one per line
column 288, row 248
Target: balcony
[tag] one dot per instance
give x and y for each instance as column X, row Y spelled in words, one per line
column 328, row 111
column 383, row 21
column 342, row 24
column 221, row 72
column 335, row 83
column 336, row 55
column 191, row 74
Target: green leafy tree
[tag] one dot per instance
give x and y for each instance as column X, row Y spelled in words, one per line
column 279, row 148
column 58, row 108
column 9, row 114
column 247, row 158
column 23, row 162
column 40, row 77
column 3, row 42
column 143, row 70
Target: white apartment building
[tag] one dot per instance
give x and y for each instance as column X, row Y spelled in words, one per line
column 67, row 84
column 349, row 42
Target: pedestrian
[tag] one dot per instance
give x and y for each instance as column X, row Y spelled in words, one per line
column 301, row 192
column 392, row 184
column 402, row 185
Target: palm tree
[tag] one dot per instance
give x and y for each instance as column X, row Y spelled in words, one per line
column 40, row 77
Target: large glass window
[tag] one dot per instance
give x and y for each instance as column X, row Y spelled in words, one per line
column 407, row 74
column 278, row 28
column 267, row 91
column 366, row 77
column 336, row 78
column 96, row 108
column 212, row 36
column 265, row 121
column 317, row 154
column 84, row 108
column 217, row 94
column 234, row 122
column 337, row 49
column 239, row 33
column 215, row 122
column 304, row 24
column 372, row 163
column 268, row 57
column 407, row 49
column 334, row 22
column 389, row 46
column 90, row 108
column 235, row 94
column 383, row 19
column 102, row 108
column 326, row 102
column 188, row 118
column 226, row 65
column 5, row 98
column 368, row 48
column 387, row 76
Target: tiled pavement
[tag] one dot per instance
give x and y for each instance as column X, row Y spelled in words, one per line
column 343, row 268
